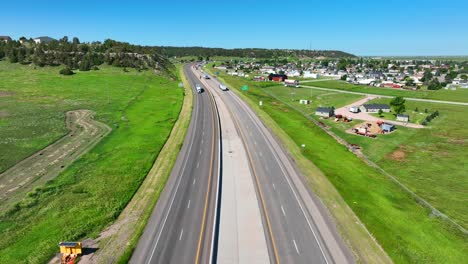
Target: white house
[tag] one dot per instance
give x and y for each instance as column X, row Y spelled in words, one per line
column 43, row 40
column 402, row 117
column 293, row 73
column 309, row 74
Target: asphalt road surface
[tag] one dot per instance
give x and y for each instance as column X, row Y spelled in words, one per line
column 181, row 227
column 297, row 225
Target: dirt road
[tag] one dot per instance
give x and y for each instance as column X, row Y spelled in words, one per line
column 47, row 163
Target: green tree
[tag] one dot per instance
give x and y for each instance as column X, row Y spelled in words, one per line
column 13, row 56
column 434, row 85
column 398, row 105
column 380, row 112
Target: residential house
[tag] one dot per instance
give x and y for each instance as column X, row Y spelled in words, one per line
column 386, row 127
column 277, row 77
column 402, row 117
column 221, row 67
column 259, row 78
column 293, row 73
column 374, row 108
column 325, row 112
column 5, row 38
column 268, row 70
column 43, row 40
column 309, row 74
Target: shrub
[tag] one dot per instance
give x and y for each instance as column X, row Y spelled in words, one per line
column 66, row 71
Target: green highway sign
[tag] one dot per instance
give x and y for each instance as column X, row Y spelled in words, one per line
column 245, row 87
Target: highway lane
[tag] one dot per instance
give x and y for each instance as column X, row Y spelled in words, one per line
column 300, row 229
column 180, row 229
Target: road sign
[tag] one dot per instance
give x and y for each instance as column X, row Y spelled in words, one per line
column 245, row 87
column 260, row 103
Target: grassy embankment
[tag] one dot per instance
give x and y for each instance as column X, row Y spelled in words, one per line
column 140, row 107
column 408, row 154
column 405, row 229
column 460, row 95
column 148, row 194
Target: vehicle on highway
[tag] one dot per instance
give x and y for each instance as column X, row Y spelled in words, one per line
column 294, row 83
column 206, row 76
column 223, row 87
column 199, row 88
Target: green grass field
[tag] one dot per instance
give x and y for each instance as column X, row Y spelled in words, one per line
column 431, row 161
column 317, row 97
column 405, row 229
column 141, row 108
column 460, row 95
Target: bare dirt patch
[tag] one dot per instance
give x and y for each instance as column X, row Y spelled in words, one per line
column 398, row 155
column 6, row 93
column 4, row 113
column 47, row 163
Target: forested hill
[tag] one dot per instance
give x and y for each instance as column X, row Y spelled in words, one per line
column 85, row 56
column 251, row 52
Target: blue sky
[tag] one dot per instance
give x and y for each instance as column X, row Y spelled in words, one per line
column 376, row 27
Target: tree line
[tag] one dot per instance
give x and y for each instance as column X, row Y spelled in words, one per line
column 84, row 56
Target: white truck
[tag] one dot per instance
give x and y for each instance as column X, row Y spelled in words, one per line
column 199, row 88
column 294, row 83
column 223, row 87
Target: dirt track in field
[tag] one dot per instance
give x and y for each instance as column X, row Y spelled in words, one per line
column 47, row 163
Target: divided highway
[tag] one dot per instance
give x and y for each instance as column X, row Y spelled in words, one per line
column 297, row 225
column 274, row 219
column 181, row 227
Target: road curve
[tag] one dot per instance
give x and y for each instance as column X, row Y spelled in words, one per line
column 181, row 227
column 297, row 224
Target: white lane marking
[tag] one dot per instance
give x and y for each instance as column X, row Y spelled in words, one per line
column 295, row 245
column 198, row 164
column 173, row 197
column 203, row 133
column 194, row 180
column 274, row 187
column 252, row 118
column 202, row 141
column 261, row 154
column 200, row 151
column 182, row 232
column 188, row 206
column 282, row 209
column 255, row 142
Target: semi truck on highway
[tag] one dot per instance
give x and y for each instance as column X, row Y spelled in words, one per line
column 223, row 87
column 199, row 88
column 294, row 83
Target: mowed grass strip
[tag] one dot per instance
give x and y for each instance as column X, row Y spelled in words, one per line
column 405, row 229
column 460, row 95
column 141, row 108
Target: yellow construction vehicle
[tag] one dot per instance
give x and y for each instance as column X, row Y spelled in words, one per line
column 69, row 252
